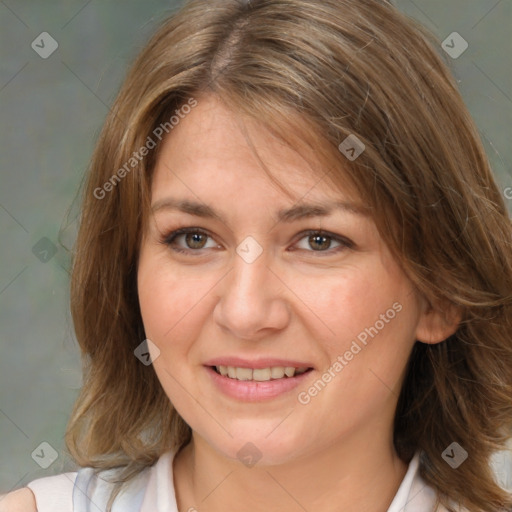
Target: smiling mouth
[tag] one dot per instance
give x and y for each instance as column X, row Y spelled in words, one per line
column 259, row 374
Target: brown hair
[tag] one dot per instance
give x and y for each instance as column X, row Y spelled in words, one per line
column 313, row 73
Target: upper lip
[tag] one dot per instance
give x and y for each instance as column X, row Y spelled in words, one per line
column 262, row 362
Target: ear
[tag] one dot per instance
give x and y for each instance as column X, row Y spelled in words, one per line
column 437, row 321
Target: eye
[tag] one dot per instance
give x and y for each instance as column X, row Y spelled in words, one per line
column 321, row 241
column 193, row 238
column 196, row 239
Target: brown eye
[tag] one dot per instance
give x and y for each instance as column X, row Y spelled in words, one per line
column 320, row 242
column 189, row 240
column 195, row 240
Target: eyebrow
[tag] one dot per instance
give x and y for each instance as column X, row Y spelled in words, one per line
column 298, row 212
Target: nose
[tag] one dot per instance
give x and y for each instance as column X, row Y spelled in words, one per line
column 253, row 300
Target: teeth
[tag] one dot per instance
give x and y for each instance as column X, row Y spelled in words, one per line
column 277, row 372
column 289, row 371
column 243, row 373
column 259, row 374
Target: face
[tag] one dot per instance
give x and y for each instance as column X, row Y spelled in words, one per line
column 245, row 288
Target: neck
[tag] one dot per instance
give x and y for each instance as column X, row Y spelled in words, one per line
column 337, row 477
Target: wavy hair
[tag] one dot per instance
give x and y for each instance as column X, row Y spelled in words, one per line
column 313, row 72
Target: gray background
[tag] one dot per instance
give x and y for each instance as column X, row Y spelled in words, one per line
column 51, row 113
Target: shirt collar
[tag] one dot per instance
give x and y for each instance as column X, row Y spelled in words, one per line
column 413, row 495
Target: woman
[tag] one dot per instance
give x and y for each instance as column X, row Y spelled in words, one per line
column 290, row 214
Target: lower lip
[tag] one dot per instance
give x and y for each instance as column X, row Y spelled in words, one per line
column 253, row 391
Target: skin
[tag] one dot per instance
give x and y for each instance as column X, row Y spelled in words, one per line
column 22, row 500
column 306, row 304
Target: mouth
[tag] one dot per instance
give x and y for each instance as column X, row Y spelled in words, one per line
column 268, row 381
column 260, row 374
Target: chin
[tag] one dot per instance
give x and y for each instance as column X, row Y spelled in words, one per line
column 250, row 447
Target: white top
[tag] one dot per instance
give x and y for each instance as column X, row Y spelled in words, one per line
column 153, row 491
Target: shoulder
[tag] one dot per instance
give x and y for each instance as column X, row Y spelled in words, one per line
column 47, row 494
column 22, row 500
column 69, row 491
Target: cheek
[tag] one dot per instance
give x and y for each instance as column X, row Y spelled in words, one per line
column 170, row 301
column 365, row 324
column 374, row 328
column 347, row 303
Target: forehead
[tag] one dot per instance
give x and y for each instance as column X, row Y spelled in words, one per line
column 212, row 151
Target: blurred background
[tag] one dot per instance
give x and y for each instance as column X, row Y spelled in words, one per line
column 61, row 64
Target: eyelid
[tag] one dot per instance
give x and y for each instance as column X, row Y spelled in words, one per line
column 170, row 237
column 345, row 243
column 343, row 240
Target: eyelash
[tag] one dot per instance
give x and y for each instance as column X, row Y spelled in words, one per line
column 345, row 243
